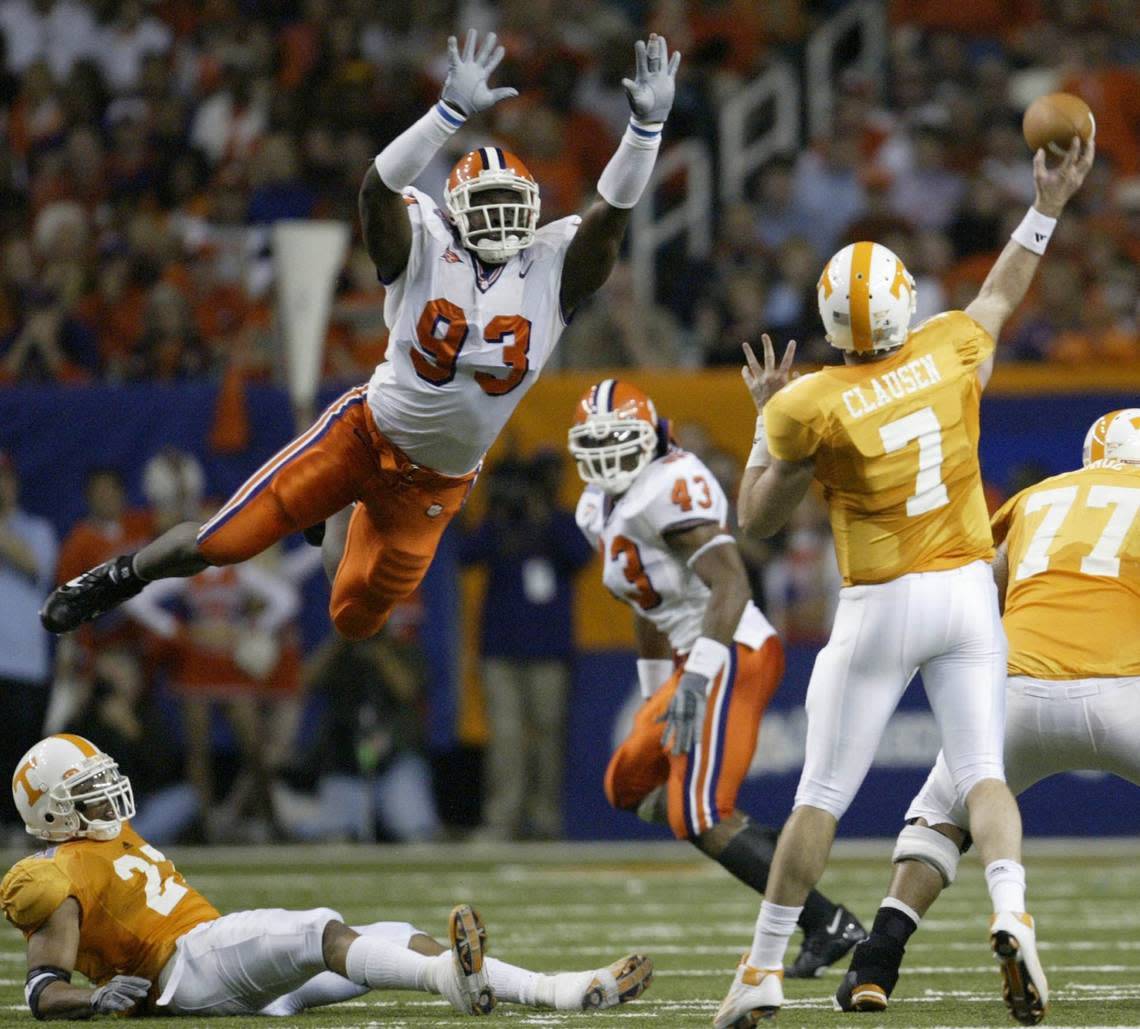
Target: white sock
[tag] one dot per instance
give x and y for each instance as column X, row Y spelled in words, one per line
column 380, row 965
column 1005, row 879
column 517, row 985
column 774, row 927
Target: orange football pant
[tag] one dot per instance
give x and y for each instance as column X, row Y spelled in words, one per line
column 703, row 784
column 394, row 530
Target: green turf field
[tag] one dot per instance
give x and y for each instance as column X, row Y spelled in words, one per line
column 568, row 906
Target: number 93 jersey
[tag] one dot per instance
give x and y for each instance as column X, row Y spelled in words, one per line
column 1072, row 602
column 895, row 444
column 466, row 341
column 670, row 494
column 134, row 904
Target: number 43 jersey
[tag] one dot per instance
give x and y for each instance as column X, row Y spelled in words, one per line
column 895, row 444
column 465, row 341
column 674, row 492
column 134, row 904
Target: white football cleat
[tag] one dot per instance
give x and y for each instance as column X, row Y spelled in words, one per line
column 1024, row 989
column 625, row 979
column 462, row 979
column 755, row 996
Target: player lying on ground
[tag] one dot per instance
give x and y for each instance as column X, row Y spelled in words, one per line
column 1068, row 571
column 892, row 436
column 710, row 661
column 477, row 298
column 103, row 902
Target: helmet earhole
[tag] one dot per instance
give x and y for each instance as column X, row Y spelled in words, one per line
column 49, row 817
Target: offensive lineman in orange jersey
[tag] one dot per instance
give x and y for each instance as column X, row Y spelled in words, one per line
column 892, row 437
column 1068, row 570
column 710, row 661
column 477, row 298
column 103, row 902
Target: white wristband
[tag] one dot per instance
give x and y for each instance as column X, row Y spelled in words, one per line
column 652, row 674
column 759, row 456
column 401, row 161
column 627, row 174
column 1034, row 231
column 707, row 657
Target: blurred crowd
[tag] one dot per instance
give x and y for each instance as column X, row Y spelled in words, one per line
column 146, row 149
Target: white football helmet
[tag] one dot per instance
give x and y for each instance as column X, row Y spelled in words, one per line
column 501, row 229
column 614, row 435
column 866, row 299
column 59, row 779
column 1114, row 437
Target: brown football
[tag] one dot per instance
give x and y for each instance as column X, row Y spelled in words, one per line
column 1053, row 120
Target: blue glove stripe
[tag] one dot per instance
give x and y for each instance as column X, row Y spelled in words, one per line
column 644, row 133
column 448, row 115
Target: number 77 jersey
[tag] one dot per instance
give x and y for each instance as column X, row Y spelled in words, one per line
column 134, row 904
column 895, row 444
column 466, row 341
column 1073, row 596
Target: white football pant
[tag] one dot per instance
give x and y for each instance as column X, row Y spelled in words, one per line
column 238, row 963
column 945, row 624
column 1051, row 726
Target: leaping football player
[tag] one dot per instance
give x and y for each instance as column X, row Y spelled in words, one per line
column 709, row 660
column 101, row 901
column 892, row 436
column 1068, row 572
column 477, row 297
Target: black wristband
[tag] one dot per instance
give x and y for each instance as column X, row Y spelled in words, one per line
column 38, row 979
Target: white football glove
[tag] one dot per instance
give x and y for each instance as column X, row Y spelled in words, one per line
column 121, row 994
column 685, row 716
column 466, row 87
column 650, row 91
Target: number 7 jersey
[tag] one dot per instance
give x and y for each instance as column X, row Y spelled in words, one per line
column 895, row 444
column 134, row 904
column 465, row 343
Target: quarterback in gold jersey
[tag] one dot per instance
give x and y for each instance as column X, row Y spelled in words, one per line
column 102, row 901
column 1068, row 568
column 892, row 435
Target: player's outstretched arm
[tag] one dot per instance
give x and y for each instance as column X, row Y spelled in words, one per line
column 52, row 950
column 387, row 233
column 1008, row 281
column 594, row 249
column 771, row 489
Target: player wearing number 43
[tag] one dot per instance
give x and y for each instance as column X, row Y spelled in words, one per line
column 477, row 297
column 1068, row 569
column 710, row 661
column 892, row 436
column 103, row 902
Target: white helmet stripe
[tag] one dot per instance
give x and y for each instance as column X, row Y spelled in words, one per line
column 605, row 401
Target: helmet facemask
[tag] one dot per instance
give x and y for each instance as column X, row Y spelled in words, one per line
column 74, row 805
column 611, row 451
column 495, row 230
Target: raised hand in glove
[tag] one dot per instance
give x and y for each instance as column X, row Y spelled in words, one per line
column 121, row 994
column 466, row 86
column 650, row 91
column 685, row 717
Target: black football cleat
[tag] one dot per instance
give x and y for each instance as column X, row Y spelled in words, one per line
column 827, row 945
column 91, row 594
column 872, row 976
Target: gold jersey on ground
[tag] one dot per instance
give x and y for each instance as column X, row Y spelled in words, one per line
column 134, row 904
column 1072, row 606
column 895, row 444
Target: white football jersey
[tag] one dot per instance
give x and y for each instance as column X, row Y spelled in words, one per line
column 638, row 567
column 464, row 346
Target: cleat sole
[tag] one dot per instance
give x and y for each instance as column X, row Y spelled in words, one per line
column 632, row 976
column 1018, row 992
column 868, row 997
